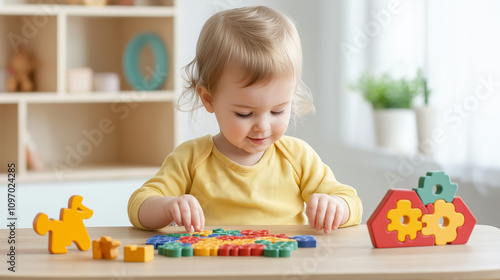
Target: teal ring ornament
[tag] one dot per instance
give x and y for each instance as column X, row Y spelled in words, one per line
column 131, row 62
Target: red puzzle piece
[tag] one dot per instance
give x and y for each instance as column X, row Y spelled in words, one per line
column 463, row 232
column 377, row 223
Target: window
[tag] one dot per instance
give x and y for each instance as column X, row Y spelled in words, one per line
column 457, row 45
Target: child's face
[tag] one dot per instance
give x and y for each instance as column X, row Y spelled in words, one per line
column 252, row 118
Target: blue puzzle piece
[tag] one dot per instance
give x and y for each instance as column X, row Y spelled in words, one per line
column 305, row 241
column 158, row 240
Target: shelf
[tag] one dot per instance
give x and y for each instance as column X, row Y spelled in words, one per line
column 33, row 9
column 89, row 134
column 99, row 97
column 40, row 39
column 99, row 43
column 91, row 11
column 118, row 11
column 95, row 172
column 94, row 134
column 8, row 135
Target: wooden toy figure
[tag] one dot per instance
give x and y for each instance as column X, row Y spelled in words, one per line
column 69, row 228
column 20, row 68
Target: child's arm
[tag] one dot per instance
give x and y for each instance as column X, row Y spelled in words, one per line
column 164, row 198
column 326, row 212
column 330, row 204
column 160, row 211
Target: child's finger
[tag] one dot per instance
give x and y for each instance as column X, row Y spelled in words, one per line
column 195, row 217
column 186, row 214
column 329, row 218
column 320, row 213
column 202, row 218
column 312, row 205
column 339, row 213
column 176, row 214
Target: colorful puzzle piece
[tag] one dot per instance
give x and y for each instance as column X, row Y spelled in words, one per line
column 445, row 189
column 305, row 241
column 134, row 253
column 378, row 223
column 464, row 231
column 447, row 232
column 280, row 249
column 105, row 248
column 222, row 242
column 176, row 250
column 158, row 240
column 402, row 220
column 69, row 228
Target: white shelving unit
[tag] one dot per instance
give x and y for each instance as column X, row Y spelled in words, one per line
column 94, row 135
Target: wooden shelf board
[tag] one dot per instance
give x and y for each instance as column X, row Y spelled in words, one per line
column 90, row 11
column 95, row 172
column 29, row 9
column 93, row 97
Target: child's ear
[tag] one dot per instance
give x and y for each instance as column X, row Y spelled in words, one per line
column 206, row 98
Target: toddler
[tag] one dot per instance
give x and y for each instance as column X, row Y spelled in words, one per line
column 247, row 72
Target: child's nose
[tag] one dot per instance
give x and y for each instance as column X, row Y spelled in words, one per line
column 262, row 124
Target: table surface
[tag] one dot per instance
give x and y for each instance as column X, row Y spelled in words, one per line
column 343, row 254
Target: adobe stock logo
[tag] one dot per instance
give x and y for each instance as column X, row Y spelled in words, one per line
column 373, row 28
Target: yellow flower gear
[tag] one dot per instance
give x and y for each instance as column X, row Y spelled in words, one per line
column 404, row 220
column 451, row 221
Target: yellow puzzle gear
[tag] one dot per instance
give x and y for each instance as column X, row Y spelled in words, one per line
column 410, row 225
column 452, row 220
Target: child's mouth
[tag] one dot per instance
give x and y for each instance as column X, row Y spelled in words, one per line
column 258, row 141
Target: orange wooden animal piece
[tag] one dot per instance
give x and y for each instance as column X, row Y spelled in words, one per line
column 69, row 228
column 105, row 248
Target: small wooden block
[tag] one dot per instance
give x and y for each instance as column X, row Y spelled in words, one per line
column 105, row 248
column 134, row 253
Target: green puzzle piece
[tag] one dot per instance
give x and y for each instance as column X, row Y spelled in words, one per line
column 175, row 250
column 445, row 189
column 280, row 249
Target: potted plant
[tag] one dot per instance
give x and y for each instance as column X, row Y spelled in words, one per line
column 392, row 101
column 426, row 118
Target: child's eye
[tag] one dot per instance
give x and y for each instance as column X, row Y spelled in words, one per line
column 243, row 115
column 278, row 113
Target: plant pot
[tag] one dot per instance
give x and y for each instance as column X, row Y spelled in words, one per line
column 395, row 129
column 426, row 124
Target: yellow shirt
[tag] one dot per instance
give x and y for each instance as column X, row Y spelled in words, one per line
column 273, row 191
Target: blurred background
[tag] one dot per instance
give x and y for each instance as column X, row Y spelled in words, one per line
column 400, row 88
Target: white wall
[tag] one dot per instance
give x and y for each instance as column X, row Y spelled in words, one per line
column 108, row 200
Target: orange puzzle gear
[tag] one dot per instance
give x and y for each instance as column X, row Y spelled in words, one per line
column 69, row 228
column 105, row 248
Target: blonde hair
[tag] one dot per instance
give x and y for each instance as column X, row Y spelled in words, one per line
column 260, row 40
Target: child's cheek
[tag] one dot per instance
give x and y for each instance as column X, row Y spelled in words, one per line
column 239, row 127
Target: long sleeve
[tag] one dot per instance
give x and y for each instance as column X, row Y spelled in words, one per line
column 173, row 178
column 314, row 176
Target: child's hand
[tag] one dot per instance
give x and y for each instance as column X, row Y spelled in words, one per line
column 186, row 211
column 326, row 212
